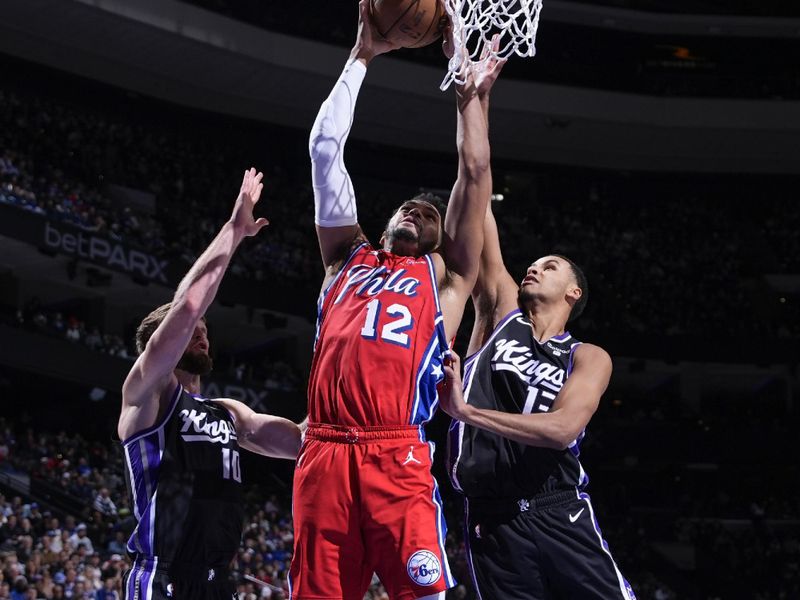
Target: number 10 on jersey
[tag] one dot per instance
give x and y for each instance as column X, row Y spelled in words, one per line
column 393, row 331
column 231, row 465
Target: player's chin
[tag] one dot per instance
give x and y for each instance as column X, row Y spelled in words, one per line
column 406, row 232
column 196, row 363
column 526, row 293
column 410, row 226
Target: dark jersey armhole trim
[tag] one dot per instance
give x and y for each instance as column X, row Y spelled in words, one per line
column 572, row 350
column 159, row 424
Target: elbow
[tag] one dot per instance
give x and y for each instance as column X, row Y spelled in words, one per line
column 559, row 436
column 188, row 305
column 319, row 147
column 475, row 166
column 559, row 444
column 322, row 142
column 563, row 439
column 298, row 443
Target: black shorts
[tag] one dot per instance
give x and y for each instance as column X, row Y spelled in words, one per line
column 144, row 582
column 546, row 547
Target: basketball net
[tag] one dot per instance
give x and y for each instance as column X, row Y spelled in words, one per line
column 476, row 21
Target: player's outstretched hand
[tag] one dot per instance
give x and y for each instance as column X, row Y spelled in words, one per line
column 242, row 217
column 451, row 398
column 369, row 43
column 487, row 69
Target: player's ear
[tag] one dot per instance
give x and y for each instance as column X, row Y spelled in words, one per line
column 573, row 294
column 383, row 238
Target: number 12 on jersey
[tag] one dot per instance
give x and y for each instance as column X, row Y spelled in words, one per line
column 393, row 331
column 231, row 465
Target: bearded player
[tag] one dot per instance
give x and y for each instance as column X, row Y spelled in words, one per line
column 182, row 450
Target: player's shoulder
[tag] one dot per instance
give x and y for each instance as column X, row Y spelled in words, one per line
column 588, row 353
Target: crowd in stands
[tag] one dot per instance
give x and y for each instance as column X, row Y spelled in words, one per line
column 704, row 246
column 55, row 160
column 41, row 319
column 272, row 374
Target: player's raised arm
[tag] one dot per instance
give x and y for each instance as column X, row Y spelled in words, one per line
column 151, row 382
column 335, row 216
column 495, row 292
column 463, row 238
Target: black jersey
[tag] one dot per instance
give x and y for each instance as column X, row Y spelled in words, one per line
column 513, row 372
column 185, row 484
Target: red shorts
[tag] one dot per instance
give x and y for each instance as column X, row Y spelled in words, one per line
column 365, row 501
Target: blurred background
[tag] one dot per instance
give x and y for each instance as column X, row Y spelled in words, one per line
column 656, row 143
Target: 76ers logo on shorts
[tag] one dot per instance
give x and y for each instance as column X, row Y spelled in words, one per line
column 424, row 567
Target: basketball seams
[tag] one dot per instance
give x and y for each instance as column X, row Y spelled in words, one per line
column 408, row 23
column 435, row 22
column 413, row 4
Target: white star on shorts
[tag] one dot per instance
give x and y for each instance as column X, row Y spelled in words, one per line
column 436, row 371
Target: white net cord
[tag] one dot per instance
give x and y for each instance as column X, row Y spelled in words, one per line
column 474, row 24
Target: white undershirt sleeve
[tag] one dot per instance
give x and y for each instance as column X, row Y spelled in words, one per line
column 334, row 199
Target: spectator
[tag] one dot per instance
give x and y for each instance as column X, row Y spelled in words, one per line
column 104, row 504
column 79, row 539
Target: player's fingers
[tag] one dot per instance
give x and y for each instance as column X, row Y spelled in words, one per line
column 261, row 222
column 255, row 192
column 485, row 51
column 452, row 361
column 251, row 172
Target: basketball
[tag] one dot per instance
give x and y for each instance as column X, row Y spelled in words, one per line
column 409, row 23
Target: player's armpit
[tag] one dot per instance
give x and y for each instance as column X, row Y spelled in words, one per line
column 143, row 402
column 336, row 244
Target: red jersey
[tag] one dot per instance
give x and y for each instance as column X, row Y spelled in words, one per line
column 380, row 343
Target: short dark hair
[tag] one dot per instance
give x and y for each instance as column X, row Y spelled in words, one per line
column 438, row 203
column 583, row 283
column 149, row 325
column 432, row 199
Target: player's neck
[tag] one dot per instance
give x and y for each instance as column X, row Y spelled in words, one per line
column 402, row 247
column 546, row 322
column 190, row 381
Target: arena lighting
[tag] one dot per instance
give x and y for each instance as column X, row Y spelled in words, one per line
column 445, row 194
column 97, row 394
